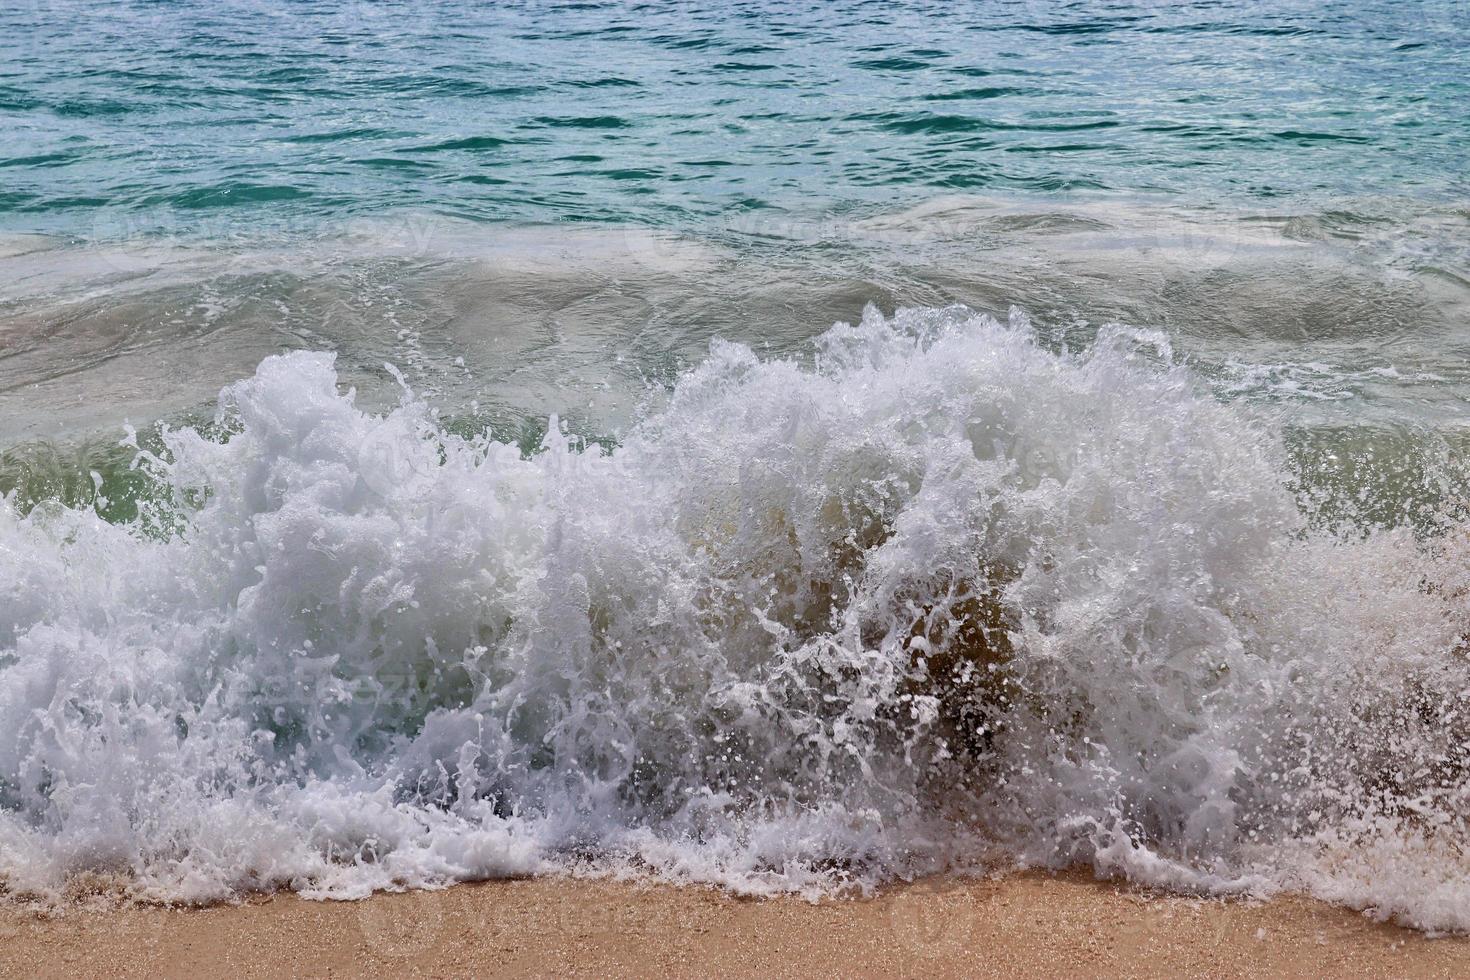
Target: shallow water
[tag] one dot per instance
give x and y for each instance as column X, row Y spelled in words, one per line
column 429, row 454
column 281, row 111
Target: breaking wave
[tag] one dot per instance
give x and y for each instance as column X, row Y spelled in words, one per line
column 940, row 596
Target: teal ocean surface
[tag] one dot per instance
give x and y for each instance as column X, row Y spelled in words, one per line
column 790, row 446
column 178, row 116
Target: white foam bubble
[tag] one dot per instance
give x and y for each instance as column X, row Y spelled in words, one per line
column 941, row 593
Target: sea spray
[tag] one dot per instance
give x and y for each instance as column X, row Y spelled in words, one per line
column 938, row 594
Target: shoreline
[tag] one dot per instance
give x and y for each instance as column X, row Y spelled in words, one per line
column 1027, row 923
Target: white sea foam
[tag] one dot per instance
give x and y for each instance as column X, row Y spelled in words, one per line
column 941, row 595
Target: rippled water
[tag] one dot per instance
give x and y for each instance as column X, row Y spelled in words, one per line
column 523, row 508
column 197, row 184
column 285, row 112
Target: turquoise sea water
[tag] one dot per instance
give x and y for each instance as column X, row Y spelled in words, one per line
column 187, row 116
column 790, row 446
column 317, row 154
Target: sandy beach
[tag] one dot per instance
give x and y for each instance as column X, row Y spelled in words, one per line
column 1026, row 924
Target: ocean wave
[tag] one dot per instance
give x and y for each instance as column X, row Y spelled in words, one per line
column 939, row 596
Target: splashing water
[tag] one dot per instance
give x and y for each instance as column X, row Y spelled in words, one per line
column 941, row 595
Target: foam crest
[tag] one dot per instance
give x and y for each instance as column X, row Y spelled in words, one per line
column 939, row 595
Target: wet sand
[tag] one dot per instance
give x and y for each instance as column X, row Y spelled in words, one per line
column 1026, row 924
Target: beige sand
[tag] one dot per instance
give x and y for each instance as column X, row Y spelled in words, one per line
column 1027, row 925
